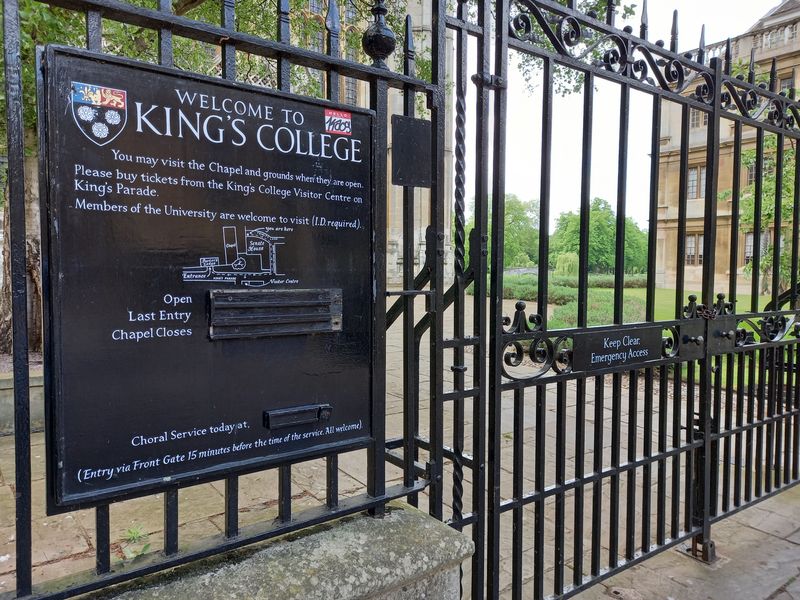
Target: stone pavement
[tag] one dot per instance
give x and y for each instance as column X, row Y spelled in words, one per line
column 759, row 547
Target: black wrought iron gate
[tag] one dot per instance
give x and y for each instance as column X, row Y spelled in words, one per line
column 556, row 464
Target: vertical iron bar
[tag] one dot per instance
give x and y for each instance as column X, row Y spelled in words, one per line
column 284, row 36
column 795, row 234
column 376, row 463
column 757, row 210
column 677, row 402
column 560, row 508
column 545, row 184
column 228, row 50
column 761, row 397
column 496, row 287
column 94, row 30
column 333, row 27
column 788, row 377
column 580, row 457
column 284, row 493
column 771, row 355
column 706, row 425
column 691, row 478
column 539, row 483
column 630, row 502
column 586, row 199
column 437, row 206
column 777, row 221
column 231, row 506
column 741, row 399
column 736, row 192
column 616, row 442
column 597, row 468
column 165, row 56
column 518, row 484
column 751, row 399
column 459, row 301
column 652, row 233
column 410, row 357
column 171, row 521
column 680, row 274
column 479, row 497
column 648, row 452
column 15, row 211
column 332, row 481
column 103, row 539
column 622, row 196
column 661, row 509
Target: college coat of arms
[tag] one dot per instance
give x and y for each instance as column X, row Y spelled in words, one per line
column 100, row 112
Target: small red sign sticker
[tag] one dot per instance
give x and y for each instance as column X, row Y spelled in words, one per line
column 338, row 122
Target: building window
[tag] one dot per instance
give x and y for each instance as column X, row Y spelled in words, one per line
column 748, row 248
column 751, row 174
column 791, row 33
column 350, row 83
column 691, row 188
column 691, row 249
column 787, row 83
column 350, row 13
column 315, row 6
column 317, row 43
column 696, row 185
column 700, row 249
column 698, row 118
column 694, row 249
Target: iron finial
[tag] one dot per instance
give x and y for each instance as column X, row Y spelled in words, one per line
column 378, row 40
column 644, row 26
column 728, row 57
column 673, row 41
column 773, row 76
column 332, row 23
column 701, row 49
column 751, row 74
column 791, row 89
column 610, row 11
column 408, row 48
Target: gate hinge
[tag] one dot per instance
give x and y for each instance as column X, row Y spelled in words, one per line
column 493, row 82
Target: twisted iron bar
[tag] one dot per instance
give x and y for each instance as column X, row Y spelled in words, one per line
column 460, row 176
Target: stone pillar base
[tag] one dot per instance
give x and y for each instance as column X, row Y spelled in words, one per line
column 406, row 555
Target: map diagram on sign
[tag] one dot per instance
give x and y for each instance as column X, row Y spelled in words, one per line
column 252, row 265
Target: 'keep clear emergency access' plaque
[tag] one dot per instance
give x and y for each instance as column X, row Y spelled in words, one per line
column 208, row 277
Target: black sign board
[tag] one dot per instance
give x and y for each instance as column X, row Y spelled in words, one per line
column 593, row 351
column 208, row 277
column 411, row 151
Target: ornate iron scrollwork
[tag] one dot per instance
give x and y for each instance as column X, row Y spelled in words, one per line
column 528, row 351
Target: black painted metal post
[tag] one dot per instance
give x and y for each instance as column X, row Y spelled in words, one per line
column 376, row 462
column 702, row 545
column 19, row 298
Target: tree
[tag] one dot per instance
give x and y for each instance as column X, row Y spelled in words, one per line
column 602, row 239
column 747, row 208
column 520, row 232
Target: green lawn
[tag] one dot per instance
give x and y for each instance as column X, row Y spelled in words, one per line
column 665, row 301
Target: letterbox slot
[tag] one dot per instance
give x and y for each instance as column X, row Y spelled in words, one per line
column 297, row 415
column 243, row 314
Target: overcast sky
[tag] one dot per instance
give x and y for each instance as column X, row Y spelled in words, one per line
column 723, row 19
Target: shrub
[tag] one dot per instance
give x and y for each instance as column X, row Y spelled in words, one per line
column 567, row 264
column 600, row 311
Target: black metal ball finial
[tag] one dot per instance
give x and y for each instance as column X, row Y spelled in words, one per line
column 378, row 40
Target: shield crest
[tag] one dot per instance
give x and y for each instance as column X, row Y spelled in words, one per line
column 100, row 112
